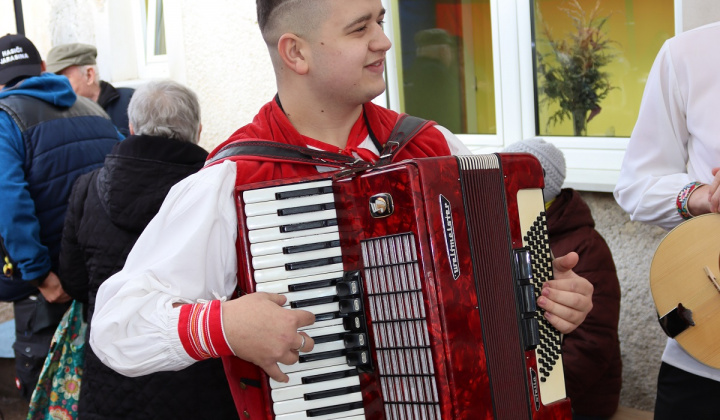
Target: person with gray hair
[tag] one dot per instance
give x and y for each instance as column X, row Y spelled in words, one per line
column 108, row 210
column 167, row 109
column 78, row 63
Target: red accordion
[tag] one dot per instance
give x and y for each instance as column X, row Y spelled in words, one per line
column 423, row 277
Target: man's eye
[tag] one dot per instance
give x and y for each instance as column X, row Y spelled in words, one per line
column 381, row 23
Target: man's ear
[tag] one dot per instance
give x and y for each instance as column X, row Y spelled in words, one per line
column 132, row 130
column 292, row 51
column 43, row 67
column 90, row 73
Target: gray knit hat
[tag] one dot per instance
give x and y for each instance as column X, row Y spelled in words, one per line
column 551, row 159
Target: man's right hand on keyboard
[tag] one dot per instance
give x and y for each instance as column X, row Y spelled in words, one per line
column 261, row 331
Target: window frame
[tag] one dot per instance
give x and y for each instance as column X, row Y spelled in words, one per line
column 150, row 66
column 593, row 163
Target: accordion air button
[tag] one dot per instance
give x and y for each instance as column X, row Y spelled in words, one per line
column 348, row 306
column 354, row 323
column 352, row 276
column 358, row 358
column 347, row 288
column 352, row 340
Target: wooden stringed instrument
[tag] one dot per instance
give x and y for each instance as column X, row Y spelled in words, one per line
column 684, row 282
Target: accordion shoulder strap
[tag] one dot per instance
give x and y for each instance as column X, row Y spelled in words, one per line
column 404, row 130
column 274, row 151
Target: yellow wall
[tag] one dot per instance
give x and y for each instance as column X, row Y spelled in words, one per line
column 485, row 93
column 639, row 27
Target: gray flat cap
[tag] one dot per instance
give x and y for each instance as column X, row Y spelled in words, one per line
column 63, row 56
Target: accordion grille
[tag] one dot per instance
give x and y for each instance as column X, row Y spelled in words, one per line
column 400, row 329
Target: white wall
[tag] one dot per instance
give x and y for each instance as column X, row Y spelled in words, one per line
column 699, row 12
column 641, row 339
column 7, row 18
column 226, row 63
column 36, row 16
column 213, row 46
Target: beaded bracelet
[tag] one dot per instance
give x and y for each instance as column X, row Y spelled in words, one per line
column 683, row 197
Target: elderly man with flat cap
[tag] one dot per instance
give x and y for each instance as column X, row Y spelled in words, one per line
column 78, row 63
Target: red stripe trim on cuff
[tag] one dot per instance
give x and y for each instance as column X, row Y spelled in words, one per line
column 201, row 331
column 217, row 341
column 185, row 326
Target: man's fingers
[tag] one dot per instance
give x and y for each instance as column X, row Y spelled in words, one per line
column 715, row 182
column 559, row 299
column 304, row 318
column 569, row 285
column 53, row 296
column 565, row 263
column 566, row 303
column 274, row 297
column 560, row 324
column 563, row 318
column 290, row 357
column 63, row 298
column 305, row 343
column 273, row 371
column 713, row 193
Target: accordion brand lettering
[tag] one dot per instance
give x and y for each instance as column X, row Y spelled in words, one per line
column 450, row 236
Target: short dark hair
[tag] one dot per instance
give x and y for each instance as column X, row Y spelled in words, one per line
column 265, row 9
column 276, row 17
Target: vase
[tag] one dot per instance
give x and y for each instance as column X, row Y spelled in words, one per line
column 579, row 117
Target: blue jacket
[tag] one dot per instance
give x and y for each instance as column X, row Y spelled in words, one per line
column 48, row 138
column 115, row 102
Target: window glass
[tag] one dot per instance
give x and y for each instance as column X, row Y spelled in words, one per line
column 159, row 29
column 154, row 30
column 446, row 65
column 592, row 59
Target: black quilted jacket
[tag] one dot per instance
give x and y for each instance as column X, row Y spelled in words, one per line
column 108, row 210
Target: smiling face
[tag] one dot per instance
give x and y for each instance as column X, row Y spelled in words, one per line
column 346, row 60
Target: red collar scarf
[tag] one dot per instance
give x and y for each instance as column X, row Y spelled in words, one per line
column 272, row 124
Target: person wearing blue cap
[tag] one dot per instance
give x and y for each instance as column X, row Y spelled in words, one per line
column 48, row 137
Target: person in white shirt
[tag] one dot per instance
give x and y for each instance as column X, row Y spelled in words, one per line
column 172, row 304
column 670, row 174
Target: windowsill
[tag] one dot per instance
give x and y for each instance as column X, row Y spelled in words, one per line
column 132, row 83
